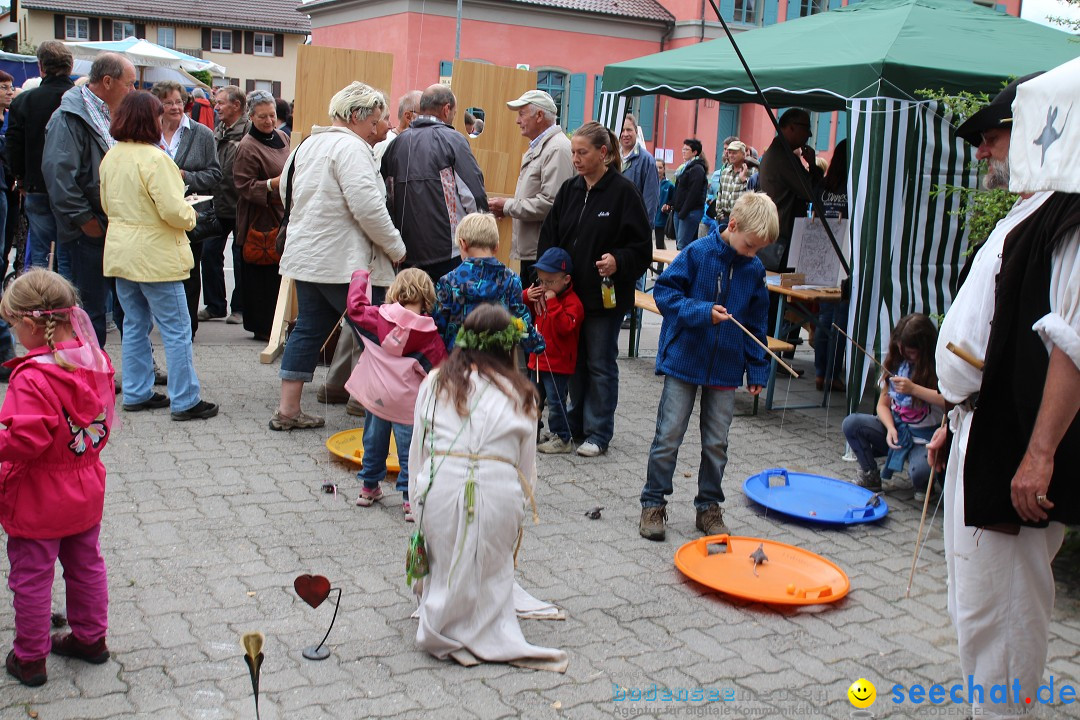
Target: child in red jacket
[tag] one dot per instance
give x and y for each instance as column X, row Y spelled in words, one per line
column 58, row 413
column 558, row 313
column 401, row 346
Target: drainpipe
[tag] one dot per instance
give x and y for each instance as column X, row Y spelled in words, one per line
column 701, row 39
column 656, row 116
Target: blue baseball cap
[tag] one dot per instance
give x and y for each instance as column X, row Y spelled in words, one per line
column 555, row 260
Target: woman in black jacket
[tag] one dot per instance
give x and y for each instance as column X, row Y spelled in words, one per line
column 690, row 184
column 599, row 219
column 191, row 146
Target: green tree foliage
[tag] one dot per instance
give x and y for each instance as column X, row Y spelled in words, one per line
column 980, row 209
column 1070, row 25
column 202, row 76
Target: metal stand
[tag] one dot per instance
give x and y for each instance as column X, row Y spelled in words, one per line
column 320, row 651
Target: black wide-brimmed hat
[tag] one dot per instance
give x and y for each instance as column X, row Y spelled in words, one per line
column 998, row 114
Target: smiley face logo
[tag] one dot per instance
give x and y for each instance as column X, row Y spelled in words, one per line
column 862, row 693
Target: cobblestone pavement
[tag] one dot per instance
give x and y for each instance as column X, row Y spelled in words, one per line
column 207, row 523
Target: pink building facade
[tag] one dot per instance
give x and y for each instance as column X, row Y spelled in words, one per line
column 568, row 43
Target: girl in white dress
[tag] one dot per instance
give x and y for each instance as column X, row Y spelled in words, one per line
column 474, row 455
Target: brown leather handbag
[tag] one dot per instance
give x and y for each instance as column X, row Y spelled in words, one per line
column 260, row 247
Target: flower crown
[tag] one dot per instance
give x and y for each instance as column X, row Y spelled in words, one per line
column 489, row 341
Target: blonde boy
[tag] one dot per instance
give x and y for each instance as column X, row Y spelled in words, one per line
column 713, row 280
column 480, row 279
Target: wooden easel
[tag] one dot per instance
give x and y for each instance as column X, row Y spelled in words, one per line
column 321, row 72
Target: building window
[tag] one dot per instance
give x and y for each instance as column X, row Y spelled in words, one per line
column 748, row 11
column 553, row 83
column 810, row 7
column 219, row 81
column 264, row 44
column 166, row 37
column 122, row 30
column 76, row 28
column 221, row 40
column 267, row 85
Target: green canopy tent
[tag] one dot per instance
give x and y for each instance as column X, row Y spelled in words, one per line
column 870, row 59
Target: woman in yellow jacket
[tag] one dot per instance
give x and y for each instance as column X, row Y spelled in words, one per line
column 147, row 251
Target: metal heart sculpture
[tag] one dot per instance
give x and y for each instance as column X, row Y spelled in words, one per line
column 312, row 589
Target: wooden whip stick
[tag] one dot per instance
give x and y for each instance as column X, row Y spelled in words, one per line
column 864, row 352
column 764, row 346
column 922, row 521
column 965, row 356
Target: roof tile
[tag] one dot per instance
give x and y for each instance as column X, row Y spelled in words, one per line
column 641, row 9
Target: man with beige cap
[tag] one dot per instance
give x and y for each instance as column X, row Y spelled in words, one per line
column 732, row 181
column 545, row 166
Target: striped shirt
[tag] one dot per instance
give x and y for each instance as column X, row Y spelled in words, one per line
column 98, row 110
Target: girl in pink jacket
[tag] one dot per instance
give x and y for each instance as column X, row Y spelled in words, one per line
column 58, row 413
column 401, row 346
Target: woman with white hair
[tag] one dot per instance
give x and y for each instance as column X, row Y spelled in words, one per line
column 338, row 224
column 256, row 170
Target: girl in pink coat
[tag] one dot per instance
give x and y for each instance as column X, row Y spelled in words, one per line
column 58, row 413
column 401, row 346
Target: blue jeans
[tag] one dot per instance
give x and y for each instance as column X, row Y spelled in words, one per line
column 41, row 234
column 866, row 435
column 163, row 303
column 672, row 418
column 7, row 343
column 376, row 448
column 553, row 388
column 594, row 386
column 686, row 229
column 93, row 286
column 827, row 342
column 318, row 308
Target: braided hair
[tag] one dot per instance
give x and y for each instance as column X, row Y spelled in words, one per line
column 44, row 297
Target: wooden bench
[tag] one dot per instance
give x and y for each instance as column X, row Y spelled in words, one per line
column 645, row 301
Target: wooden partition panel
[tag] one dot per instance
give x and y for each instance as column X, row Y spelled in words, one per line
column 322, row 71
column 498, row 149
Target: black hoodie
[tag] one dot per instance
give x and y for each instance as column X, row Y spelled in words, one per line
column 609, row 218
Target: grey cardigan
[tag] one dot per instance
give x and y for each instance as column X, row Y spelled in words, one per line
column 197, row 157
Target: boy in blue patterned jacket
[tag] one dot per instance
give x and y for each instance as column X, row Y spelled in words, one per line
column 480, row 279
column 713, row 280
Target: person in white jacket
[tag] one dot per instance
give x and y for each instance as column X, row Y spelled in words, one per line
column 338, row 223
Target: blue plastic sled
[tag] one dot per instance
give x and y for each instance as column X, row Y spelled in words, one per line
column 815, row 498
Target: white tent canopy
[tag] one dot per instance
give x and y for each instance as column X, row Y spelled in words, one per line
column 145, row 54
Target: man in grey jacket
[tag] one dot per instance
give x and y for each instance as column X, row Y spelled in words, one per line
column 418, row 167
column 76, row 139
column 233, row 125
column 545, row 166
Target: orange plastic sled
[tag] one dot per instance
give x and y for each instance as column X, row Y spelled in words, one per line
column 349, row 445
column 787, row 575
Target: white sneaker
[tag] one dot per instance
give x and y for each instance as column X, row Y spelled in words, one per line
column 589, row 449
column 545, row 436
column 555, row 446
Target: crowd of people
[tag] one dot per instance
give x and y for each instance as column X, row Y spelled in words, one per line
column 392, row 228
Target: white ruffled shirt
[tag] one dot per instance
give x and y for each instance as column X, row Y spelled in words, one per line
column 967, row 324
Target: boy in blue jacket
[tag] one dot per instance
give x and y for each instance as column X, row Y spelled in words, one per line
column 711, row 281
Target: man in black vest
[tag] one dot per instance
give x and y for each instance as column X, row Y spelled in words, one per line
column 1010, row 484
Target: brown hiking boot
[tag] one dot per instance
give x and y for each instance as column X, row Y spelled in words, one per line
column 29, row 672
column 651, row 526
column 711, row 521
column 68, row 645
